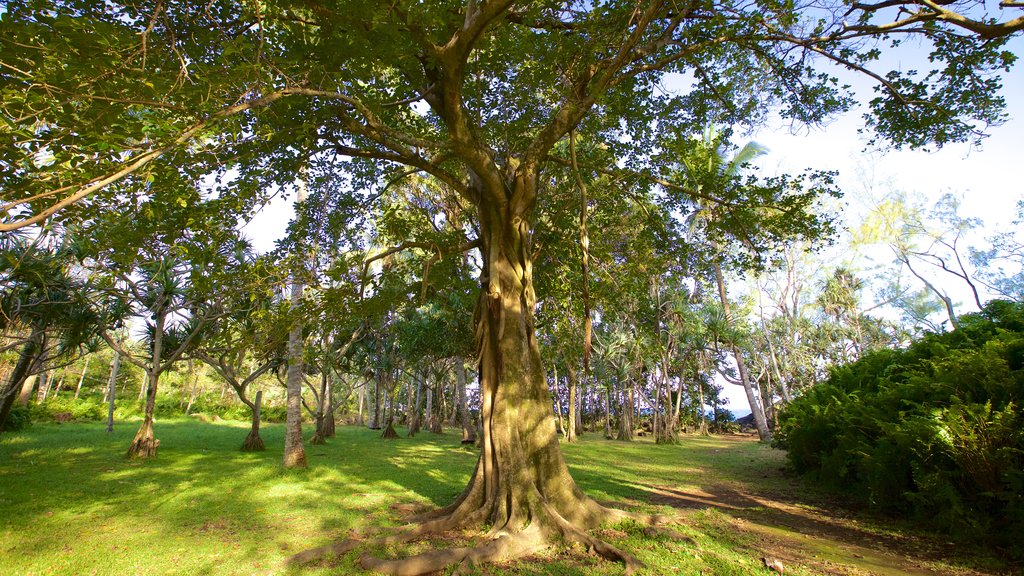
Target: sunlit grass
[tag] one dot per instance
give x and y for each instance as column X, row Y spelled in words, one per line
column 70, row 503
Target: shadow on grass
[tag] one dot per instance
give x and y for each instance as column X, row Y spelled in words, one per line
column 68, row 493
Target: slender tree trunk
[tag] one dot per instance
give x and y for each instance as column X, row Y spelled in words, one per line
column 700, row 400
column 389, row 426
column 572, row 421
column 607, row 414
column 625, row 415
column 434, row 419
column 361, row 400
column 294, row 451
column 18, row 377
column 44, row 387
column 468, row 432
column 81, row 379
column 144, row 445
column 60, row 383
column 115, row 366
column 253, row 442
column 584, row 234
column 376, row 415
column 755, row 407
column 559, row 427
column 319, row 436
column 416, row 398
column 330, row 425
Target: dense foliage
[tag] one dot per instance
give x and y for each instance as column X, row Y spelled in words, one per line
column 934, row 431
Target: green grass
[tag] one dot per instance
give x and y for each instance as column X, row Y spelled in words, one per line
column 70, row 503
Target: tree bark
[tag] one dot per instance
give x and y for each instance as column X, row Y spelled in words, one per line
column 414, row 412
column 81, row 379
column 319, row 436
column 330, row 425
column 294, row 451
column 521, row 486
column 16, row 382
column 571, row 423
column 755, row 407
column 112, row 389
column 559, row 426
column 253, row 442
column 44, row 387
column 468, row 432
column 144, row 445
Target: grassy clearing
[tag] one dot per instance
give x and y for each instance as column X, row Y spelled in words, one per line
column 70, row 503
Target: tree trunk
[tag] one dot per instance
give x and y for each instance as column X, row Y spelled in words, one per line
column 559, row 427
column 389, row 428
column 330, row 425
column 433, row 418
column 571, row 423
column 253, row 442
column 521, row 486
column 15, row 383
column 608, row 414
column 115, row 366
column 375, row 415
column 144, row 444
column 625, row 416
column 60, row 383
column 294, row 451
column 27, row 386
column 414, row 412
column 468, row 432
column 44, row 387
column 319, row 437
column 755, row 407
column 361, row 400
column 81, row 379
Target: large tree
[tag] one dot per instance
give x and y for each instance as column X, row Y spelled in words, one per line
column 476, row 95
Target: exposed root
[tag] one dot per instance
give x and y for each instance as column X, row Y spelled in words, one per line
column 511, row 538
column 253, row 443
column 313, row 554
column 503, row 548
column 571, row 533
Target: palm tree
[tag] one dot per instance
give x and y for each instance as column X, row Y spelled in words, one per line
column 709, row 174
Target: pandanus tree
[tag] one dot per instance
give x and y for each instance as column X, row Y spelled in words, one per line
column 46, row 308
column 477, row 95
column 247, row 340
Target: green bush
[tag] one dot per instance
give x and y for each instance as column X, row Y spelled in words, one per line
column 934, row 432
column 18, row 418
column 80, row 410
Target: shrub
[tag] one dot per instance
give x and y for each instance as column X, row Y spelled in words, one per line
column 18, row 418
column 933, row 432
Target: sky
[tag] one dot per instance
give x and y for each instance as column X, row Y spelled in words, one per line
column 989, row 179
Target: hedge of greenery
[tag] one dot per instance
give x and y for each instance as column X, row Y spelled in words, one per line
column 88, row 409
column 934, row 432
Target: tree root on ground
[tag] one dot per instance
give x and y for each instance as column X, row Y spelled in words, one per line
column 506, row 541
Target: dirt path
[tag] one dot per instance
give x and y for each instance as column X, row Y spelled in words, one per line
column 820, row 537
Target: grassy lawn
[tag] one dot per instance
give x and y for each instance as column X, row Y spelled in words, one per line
column 70, row 503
